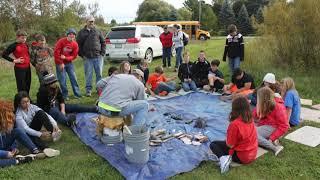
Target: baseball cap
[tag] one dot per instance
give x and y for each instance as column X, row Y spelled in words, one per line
column 90, row 18
column 71, row 30
column 138, row 71
column 270, row 78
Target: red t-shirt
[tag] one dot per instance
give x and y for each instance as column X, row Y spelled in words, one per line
column 67, row 48
column 154, row 79
column 243, row 137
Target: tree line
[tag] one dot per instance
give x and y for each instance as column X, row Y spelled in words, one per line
column 214, row 17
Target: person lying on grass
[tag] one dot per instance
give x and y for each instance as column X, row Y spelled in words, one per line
column 31, row 118
column 241, row 145
column 271, row 118
column 241, row 83
column 269, row 80
column 185, row 73
column 158, row 84
column 50, row 99
column 291, row 101
column 9, row 134
column 215, row 77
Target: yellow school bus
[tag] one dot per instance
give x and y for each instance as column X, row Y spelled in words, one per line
column 192, row 28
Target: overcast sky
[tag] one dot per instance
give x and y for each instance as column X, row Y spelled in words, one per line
column 125, row 10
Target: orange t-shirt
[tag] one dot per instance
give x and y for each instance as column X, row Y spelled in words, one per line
column 154, row 79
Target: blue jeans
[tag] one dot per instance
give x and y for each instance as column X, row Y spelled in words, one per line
column 69, row 108
column 166, row 56
column 8, row 144
column 89, row 65
column 178, row 56
column 62, row 77
column 234, row 63
column 187, row 86
column 139, row 109
column 165, row 86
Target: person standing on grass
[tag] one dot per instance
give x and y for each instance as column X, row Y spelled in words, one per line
column 92, row 48
column 177, row 39
column 31, row 118
column 21, row 59
column 8, row 137
column 40, row 56
column 66, row 51
column 200, row 70
column 291, row 101
column 234, row 48
column 241, row 145
column 185, row 74
column 271, row 118
column 166, row 40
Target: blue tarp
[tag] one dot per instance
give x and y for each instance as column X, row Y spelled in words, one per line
column 172, row 157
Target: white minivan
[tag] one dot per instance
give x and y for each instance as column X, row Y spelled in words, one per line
column 133, row 42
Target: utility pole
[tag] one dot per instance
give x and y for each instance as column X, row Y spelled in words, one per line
column 200, row 13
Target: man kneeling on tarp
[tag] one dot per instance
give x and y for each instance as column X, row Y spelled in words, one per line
column 123, row 94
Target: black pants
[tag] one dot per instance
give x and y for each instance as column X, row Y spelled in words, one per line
column 220, row 148
column 40, row 119
column 201, row 82
column 23, row 79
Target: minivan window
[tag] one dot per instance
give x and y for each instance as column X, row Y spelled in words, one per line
column 121, row 33
column 145, row 32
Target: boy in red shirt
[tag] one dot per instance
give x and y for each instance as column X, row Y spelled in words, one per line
column 241, row 144
column 65, row 51
column 271, row 118
column 21, row 60
column 166, row 41
column 160, row 85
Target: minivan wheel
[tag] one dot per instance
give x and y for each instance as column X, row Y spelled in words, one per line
column 149, row 55
column 203, row 37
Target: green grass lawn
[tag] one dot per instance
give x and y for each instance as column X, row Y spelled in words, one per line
column 79, row 162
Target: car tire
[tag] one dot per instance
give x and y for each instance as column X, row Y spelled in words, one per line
column 149, row 55
column 202, row 37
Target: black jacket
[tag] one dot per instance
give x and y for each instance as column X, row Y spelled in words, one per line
column 145, row 73
column 234, row 47
column 185, row 71
column 91, row 43
column 46, row 101
column 200, row 70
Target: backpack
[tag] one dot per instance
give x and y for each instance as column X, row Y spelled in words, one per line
column 185, row 39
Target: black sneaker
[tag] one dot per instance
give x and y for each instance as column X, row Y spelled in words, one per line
column 24, row 159
column 71, row 120
column 178, row 88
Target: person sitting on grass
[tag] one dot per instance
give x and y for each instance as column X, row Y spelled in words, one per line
column 125, row 67
column 291, row 101
column 269, row 80
column 215, row 77
column 271, row 118
column 40, row 56
column 123, row 95
column 200, row 70
column 241, row 144
column 160, row 85
column 50, row 99
column 185, row 73
column 241, row 83
column 9, row 134
column 31, row 118
column 143, row 66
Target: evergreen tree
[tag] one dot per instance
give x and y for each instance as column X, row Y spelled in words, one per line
column 226, row 16
column 244, row 21
column 259, row 16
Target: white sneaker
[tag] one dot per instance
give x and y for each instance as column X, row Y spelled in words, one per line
column 49, row 152
column 56, row 135
column 278, row 150
column 225, row 163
